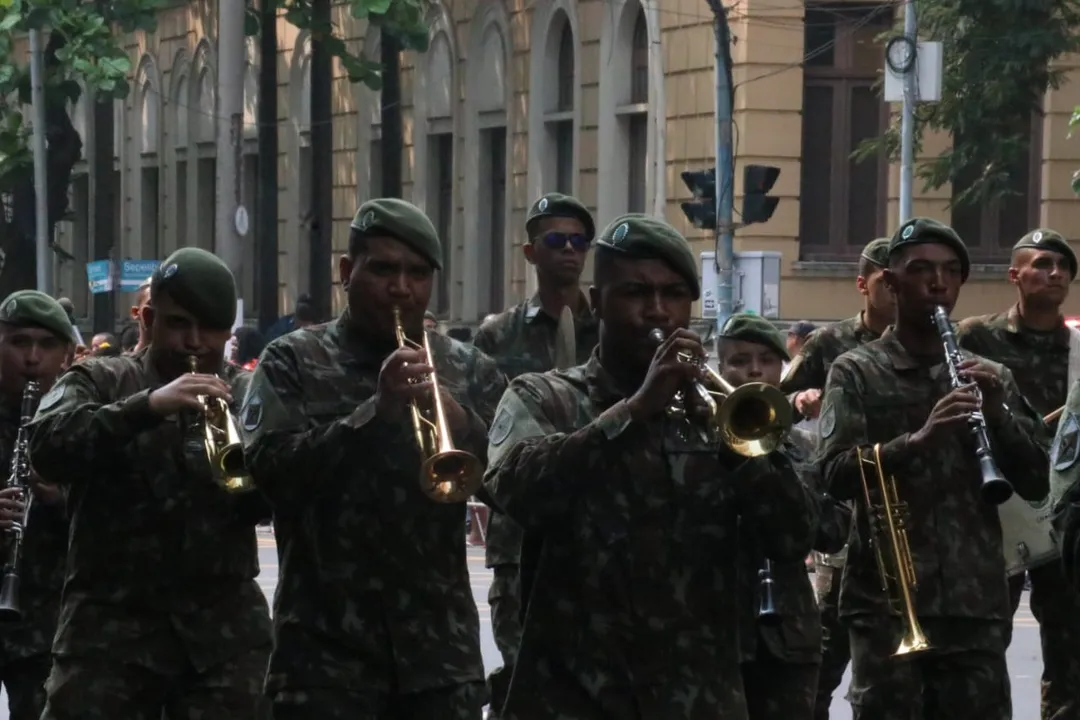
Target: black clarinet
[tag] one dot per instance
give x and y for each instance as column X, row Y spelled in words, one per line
column 766, row 613
column 19, row 478
column 995, row 488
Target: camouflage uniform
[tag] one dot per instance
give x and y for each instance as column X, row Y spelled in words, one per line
column 1040, row 363
column 1064, row 488
column 520, row 340
column 808, row 371
column 880, row 393
column 629, row 558
column 780, row 662
column 374, row 608
column 160, row 610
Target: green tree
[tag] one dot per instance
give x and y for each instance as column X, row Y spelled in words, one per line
column 998, row 65
column 82, row 46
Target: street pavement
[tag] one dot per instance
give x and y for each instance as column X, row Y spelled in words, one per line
column 1025, row 663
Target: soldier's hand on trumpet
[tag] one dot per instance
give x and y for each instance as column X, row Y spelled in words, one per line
column 668, row 375
column 405, row 377
column 12, row 506
column 184, row 393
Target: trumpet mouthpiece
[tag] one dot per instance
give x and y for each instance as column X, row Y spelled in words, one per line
column 657, row 335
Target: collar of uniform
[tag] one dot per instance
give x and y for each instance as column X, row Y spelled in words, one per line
column 534, row 309
column 150, row 372
column 604, row 391
column 354, row 346
column 900, row 358
column 1015, row 324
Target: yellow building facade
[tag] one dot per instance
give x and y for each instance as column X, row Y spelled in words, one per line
column 606, row 99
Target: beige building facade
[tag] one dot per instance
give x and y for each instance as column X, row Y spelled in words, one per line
column 605, row 99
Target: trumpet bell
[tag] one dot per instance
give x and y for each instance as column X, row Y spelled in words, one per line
column 913, row 642
column 754, row 419
column 453, row 476
column 225, row 450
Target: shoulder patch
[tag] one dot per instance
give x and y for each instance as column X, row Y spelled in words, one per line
column 828, row 421
column 501, row 427
column 253, row 412
column 51, row 398
column 1066, row 447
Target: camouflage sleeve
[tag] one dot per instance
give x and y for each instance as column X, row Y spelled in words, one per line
column 486, row 387
column 484, row 340
column 74, row 428
column 1019, row 442
column 537, row 473
column 844, row 435
column 282, row 445
column 781, row 508
column 834, row 522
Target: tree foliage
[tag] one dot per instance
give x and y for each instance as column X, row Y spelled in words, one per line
column 998, row 64
column 404, row 19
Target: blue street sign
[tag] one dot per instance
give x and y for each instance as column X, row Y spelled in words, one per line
column 134, row 273
column 99, row 276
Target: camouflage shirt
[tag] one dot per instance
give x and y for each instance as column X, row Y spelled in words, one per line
column 521, row 340
column 797, row 639
column 162, row 562
column 374, row 588
column 810, row 367
column 880, row 393
column 631, row 545
column 41, row 572
column 1039, row 361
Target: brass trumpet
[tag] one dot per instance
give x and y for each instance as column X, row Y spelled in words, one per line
column 224, row 449
column 447, row 475
column 752, row 419
column 887, row 520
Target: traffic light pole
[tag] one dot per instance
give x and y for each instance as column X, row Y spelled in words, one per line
column 725, row 167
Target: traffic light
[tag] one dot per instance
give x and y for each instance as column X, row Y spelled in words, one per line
column 758, row 180
column 702, row 211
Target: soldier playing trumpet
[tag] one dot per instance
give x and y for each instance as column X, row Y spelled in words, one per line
column 161, row 612
column 374, row 613
column 892, row 421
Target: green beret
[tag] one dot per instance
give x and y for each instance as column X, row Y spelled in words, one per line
column 750, row 327
column 648, row 237
column 559, row 205
column 877, row 251
column 402, row 221
column 1047, row 239
column 921, row 230
column 30, row 308
column 199, row 282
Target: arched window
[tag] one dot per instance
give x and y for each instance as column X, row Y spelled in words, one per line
column 560, row 120
column 636, row 116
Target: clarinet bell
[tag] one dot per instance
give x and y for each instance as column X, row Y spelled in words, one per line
column 767, row 614
column 995, row 488
column 9, row 598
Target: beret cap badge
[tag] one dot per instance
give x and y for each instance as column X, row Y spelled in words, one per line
column 1037, row 237
column 620, row 233
column 11, row 307
column 169, row 271
column 542, row 205
column 368, row 220
column 908, row 232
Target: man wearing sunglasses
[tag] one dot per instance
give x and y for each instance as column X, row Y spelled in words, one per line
column 534, row 337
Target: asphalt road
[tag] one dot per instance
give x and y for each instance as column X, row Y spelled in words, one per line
column 1025, row 663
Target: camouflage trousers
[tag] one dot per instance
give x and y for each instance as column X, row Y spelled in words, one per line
column 1056, row 605
column 963, row 678
column 504, row 597
column 97, row 687
column 24, row 681
column 835, row 649
column 457, row 702
column 778, row 690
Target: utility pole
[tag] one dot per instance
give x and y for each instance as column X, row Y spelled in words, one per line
column 322, row 161
column 41, row 185
column 390, row 115
column 266, row 195
column 230, row 137
column 725, row 166
column 907, row 118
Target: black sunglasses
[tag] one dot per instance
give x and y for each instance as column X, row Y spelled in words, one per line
column 558, row 240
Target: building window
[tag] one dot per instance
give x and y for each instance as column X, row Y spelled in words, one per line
column 634, row 117
column 441, row 192
column 207, row 203
column 80, row 243
column 375, row 181
column 560, row 119
column 492, row 270
column 180, row 207
column 842, row 200
column 991, row 229
column 249, row 181
column 151, row 241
